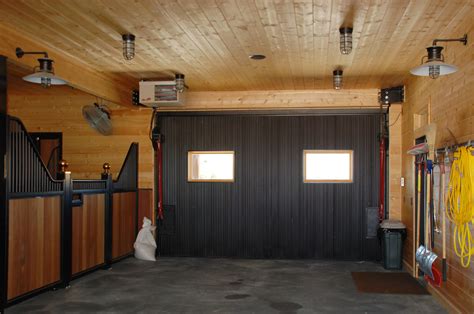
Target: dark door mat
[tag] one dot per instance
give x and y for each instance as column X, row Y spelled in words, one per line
column 385, row 282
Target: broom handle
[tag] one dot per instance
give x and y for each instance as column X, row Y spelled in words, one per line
column 445, row 275
column 427, row 212
column 418, row 199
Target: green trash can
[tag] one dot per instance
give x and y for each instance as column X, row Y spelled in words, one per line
column 392, row 234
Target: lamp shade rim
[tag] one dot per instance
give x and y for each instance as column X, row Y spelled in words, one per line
column 424, row 69
column 36, row 78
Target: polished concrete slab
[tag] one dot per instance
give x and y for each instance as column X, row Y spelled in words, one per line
column 199, row 285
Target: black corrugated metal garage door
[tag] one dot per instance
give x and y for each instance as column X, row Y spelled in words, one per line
column 268, row 212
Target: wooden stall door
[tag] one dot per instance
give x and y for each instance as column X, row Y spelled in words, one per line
column 123, row 223
column 33, row 244
column 88, row 222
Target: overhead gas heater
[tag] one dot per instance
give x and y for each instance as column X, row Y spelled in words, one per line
column 434, row 66
column 44, row 73
column 162, row 93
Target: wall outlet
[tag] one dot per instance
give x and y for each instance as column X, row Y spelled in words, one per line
column 402, row 181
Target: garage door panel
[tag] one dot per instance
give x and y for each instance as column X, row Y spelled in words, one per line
column 268, row 212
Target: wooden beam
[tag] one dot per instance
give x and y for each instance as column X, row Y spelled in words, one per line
column 278, row 99
column 111, row 87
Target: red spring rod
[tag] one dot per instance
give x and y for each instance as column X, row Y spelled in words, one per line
column 382, row 180
column 159, row 161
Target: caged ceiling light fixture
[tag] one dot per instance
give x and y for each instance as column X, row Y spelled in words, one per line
column 179, row 79
column 44, row 73
column 434, row 66
column 345, row 42
column 128, row 43
column 337, row 79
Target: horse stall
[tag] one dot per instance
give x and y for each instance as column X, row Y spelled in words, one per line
column 61, row 229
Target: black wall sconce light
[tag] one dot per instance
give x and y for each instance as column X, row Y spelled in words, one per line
column 434, row 66
column 44, row 73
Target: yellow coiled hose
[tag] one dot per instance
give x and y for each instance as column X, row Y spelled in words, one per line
column 460, row 202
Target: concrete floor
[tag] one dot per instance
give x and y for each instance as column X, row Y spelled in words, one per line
column 198, row 285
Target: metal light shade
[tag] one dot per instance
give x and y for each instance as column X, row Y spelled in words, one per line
column 44, row 74
column 424, row 69
column 434, row 65
column 39, row 78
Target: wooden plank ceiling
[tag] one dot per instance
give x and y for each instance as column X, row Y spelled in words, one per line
column 210, row 40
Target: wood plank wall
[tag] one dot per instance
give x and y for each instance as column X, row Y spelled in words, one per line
column 123, row 223
column 395, row 162
column 447, row 102
column 60, row 110
column 33, row 244
column 88, row 234
column 145, row 206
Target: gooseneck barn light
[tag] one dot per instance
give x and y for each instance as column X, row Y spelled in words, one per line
column 179, row 79
column 434, row 66
column 128, row 42
column 44, row 73
column 345, row 40
column 337, row 79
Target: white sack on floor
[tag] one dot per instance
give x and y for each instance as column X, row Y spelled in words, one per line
column 145, row 245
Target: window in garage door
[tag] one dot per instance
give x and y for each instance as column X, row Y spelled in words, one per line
column 211, row 166
column 327, row 166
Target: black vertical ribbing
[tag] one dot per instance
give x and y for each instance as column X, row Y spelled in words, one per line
column 268, row 212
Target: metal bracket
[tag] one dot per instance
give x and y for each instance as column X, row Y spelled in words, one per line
column 462, row 40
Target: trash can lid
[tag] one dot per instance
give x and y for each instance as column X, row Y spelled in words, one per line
column 392, row 224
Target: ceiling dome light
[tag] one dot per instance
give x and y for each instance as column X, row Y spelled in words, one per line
column 435, row 65
column 337, row 79
column 44, row 73
column 128, row 41
column 345, row 42
column 179, row 79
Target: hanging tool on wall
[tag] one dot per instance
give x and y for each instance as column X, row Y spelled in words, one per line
column 429, row 235
column 431, row 273
column 426, row 259
column 460, row 203
column 442, row 207
column 432, row 209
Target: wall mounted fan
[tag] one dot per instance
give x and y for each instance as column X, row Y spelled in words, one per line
column 98, row 117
